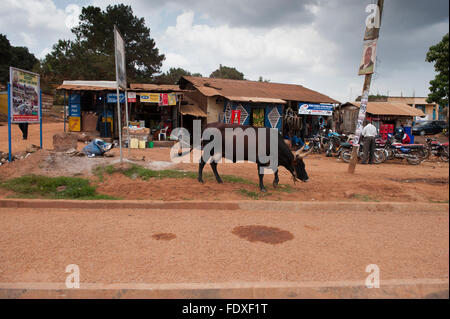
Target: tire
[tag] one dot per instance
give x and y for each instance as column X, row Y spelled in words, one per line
column 346, row 155
column 444, row 155
column 422, row 133
column 379, row 156
column 416, row 159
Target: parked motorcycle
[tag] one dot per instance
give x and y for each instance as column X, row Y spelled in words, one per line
column 413, row 153
column 437, row 149
column 346, row 153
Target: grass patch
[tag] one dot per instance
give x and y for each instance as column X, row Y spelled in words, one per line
column 136, row 171
column 439, row 201
column 35, row 186
column 285, row 188
column 365, row 198
column 250, row 194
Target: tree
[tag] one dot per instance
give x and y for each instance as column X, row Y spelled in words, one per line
column 225, row 72
column 18, row 57
column 173, row 75
column 439, row 89
column 260, row 79
column 91, row 55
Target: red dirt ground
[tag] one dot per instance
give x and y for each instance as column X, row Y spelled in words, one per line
column 329, row 180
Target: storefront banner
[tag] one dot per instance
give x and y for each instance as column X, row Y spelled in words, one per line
column 112, row 98
column 315, row 109
column 164, row 100
column 172, row 99
column 132, row 97
column 25, row 101
column 236, row 117
column 74, row 105
column 149, row 97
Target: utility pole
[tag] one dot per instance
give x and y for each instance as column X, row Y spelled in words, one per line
column 372, row 33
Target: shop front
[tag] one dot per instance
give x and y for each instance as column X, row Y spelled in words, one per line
column 315, row 117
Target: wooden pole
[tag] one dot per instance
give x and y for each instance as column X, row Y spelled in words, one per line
column 365, row 92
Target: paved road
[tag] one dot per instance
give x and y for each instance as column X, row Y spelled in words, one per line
column 209, row 246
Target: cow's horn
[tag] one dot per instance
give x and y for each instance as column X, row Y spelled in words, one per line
column 306, row 154
column 300, row 150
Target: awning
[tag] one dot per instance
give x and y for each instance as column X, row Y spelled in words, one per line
column 88, row 85
column 389, row 108
column 193, row 110
column 255, row 99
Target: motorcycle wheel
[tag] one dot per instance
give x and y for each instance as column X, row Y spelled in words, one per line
column 416, row 158
column 346, row 155
column 379, row 156
column 444, row 155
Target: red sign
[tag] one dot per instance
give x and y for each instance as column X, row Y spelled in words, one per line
column 132, row 97
column 236, row 116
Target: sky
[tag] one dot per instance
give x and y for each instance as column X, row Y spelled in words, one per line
column 314, row 43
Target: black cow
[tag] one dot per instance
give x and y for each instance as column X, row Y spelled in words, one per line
column 292, row 162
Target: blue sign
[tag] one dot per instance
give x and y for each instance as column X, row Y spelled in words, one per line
column 74, row 105
column 315, row 109
column 112, row 98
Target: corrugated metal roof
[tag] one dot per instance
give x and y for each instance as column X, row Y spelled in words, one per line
column 226, row 87
column 193, row 110
column 81, row 85
column 255, row 99
column 154, row 87
column 389, row 108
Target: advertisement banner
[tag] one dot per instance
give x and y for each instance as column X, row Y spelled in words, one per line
column 149, row 97
column 112, row 98
column 75, row 105
column 164, row 100
column 132, row 97
column 172, row 99
column 315, row 109
column 119, row 46
column 25, row 96
column 236, row 117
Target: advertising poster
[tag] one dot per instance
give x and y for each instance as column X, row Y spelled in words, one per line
column 112, row 98
column 367, row 65
column 361, row 117
column 132, row 97
column 315, row 109
column 121, row 74
column 149, row 97
column 236, row 117
column 25, row 96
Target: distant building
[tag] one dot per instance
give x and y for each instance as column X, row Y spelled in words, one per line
column 432, row 111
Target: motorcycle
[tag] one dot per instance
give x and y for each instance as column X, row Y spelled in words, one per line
column 413, row 153
column 437, row 149
column 346, row 153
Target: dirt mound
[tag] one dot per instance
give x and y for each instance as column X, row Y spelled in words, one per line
column 164, row 236
column 64, row 141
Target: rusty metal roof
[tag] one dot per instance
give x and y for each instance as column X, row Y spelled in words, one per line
column 154, row 87
column 256, row 89
column 255, row 99
column 193, row 110
column 81, row 85
column 390, row 108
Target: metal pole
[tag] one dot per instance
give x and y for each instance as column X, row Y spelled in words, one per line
column 119, row 122
column 9, row 123
column 127, row 122
column 105, row 115
column 365, row 92
column 64, row 106
column 40, row 117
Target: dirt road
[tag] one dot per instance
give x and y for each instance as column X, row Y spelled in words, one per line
column 215, row 246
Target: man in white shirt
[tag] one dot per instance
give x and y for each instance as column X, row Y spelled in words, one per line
column 369, row 133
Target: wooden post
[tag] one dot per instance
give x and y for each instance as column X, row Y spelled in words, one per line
column 365, row 92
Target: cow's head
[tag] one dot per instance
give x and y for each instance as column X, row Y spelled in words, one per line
column 299, row 165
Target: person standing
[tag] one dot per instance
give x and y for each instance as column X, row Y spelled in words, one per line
column 24, row 128
column 369, row 133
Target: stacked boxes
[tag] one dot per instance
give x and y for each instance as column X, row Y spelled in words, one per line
column 138, row 137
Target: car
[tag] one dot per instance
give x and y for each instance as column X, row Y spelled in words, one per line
column 429, row 127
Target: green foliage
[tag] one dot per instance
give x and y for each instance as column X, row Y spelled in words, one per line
column 253, row 195
column 91, row 55
column 225, row 72
column 260, row 79
column 365, row 198
column 32, row 186
column 18, row 57
column 173, row 75
column 439, row 89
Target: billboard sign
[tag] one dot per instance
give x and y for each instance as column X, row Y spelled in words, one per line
column 315, row 109
column 119, row 48
column 112, row 98
column 25, row 96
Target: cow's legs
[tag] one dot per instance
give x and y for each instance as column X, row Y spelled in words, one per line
column 276, row 180
column 261, row 183
column 216, row 173
column 200, row 170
